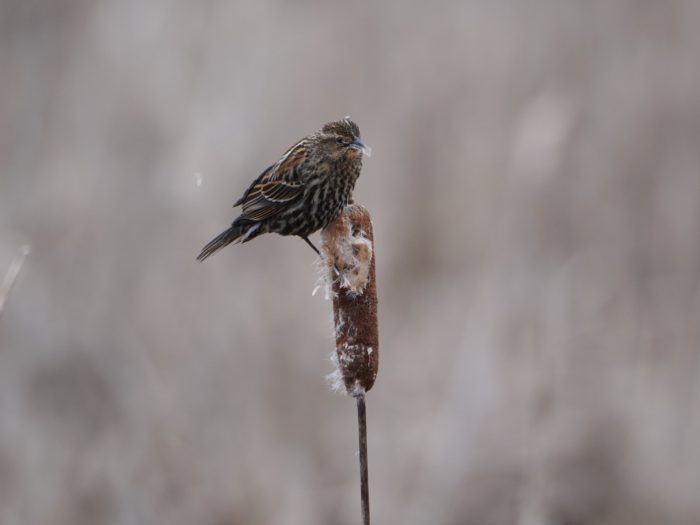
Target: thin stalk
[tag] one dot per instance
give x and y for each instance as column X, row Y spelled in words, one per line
column 364, row 477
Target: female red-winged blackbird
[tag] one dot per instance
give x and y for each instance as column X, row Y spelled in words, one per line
column 303, row 191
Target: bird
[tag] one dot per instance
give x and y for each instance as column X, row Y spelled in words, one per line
column 301, row 193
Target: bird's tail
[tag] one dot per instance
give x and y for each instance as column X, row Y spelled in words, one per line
column 238, row 232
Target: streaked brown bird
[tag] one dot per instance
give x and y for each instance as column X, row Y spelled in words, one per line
column 303, row 191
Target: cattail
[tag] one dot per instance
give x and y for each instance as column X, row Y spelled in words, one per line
column 348, row 246
column 349, row 254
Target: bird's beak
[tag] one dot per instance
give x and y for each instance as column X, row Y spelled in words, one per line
column 361, row 146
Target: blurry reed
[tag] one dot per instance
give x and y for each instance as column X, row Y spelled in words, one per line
column 348, row 248
column 11, row 276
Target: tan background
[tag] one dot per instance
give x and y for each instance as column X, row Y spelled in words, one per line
column 535, row 186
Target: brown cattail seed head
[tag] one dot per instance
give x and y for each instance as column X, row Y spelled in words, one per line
column 348, row 247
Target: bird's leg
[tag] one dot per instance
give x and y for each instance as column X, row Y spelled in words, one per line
column 335, row 266
column 312, row 246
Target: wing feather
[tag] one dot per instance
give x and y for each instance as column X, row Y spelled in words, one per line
column 252, row 188
column 276, row 188
column 281, row 191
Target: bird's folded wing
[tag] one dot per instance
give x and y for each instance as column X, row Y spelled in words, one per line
column 267, row 198
column 261, row 178
column 284, row 171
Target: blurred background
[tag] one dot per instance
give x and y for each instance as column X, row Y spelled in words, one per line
column 535, row 188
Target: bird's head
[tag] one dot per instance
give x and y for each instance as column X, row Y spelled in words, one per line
column 341, row 139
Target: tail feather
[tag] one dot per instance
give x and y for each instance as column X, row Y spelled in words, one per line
column 238, row 232
column 218, row 242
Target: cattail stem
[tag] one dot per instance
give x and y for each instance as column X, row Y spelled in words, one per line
column 348, row 246
column 364, row 471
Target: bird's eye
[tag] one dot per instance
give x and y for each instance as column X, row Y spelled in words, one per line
column 342, row 141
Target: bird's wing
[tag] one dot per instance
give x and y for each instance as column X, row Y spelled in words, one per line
column 276, row 187
column 268, row 198
column 252, row 186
